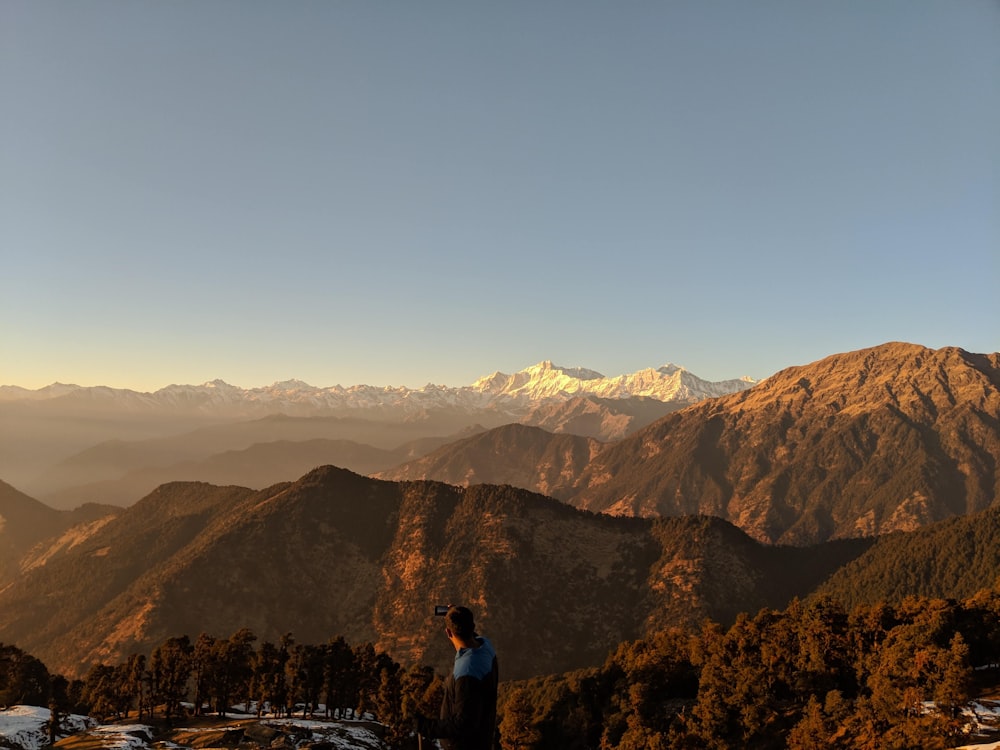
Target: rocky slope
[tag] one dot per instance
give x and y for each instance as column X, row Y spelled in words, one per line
column 858, row 444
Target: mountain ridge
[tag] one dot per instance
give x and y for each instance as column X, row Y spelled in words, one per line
column 336, row 553
column 860, row 443
column 522, row 455
column 25, row 522
column 56, row 434
column 856, row 444
column 541, row 382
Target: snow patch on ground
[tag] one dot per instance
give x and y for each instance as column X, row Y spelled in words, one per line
column 984, row 721
column 26, row 727
column 124, row 736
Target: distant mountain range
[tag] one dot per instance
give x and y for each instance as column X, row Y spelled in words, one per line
column 512, row 394
column 68, row 445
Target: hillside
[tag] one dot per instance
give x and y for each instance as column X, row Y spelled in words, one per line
column 338, row 553
column 857, row 444
column 527, row 457
column 604, row 419
column 62, row 592
column 25, row 522
column 953, row 559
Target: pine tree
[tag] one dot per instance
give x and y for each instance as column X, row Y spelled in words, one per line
column 203, row 668
column 518, row 730
column 100, row 691
column 23, row 678
column 170, row 667
column 232, row 669
column 58, row 705
column 339, row 675
column 266, row 669
column 135, row 682
column 812, row 730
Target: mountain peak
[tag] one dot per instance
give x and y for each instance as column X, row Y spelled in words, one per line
column 670, row 368
column 577, row 373
column 908, row 377
column 217, row 383
column 292, row 384
column 546, row 381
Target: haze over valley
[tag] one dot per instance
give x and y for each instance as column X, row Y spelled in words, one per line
column 61, row 438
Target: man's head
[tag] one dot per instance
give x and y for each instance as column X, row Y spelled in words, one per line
column 460, row 623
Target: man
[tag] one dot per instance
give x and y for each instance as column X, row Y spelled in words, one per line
column 469, row 707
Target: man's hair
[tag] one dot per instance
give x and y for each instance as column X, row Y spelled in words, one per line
column 460, row 622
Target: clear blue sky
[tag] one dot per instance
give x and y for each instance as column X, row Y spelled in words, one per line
column 398, row 193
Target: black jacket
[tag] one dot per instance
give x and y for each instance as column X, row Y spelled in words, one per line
column 469, row 708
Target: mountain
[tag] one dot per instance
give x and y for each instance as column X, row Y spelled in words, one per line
column 952, row 559
column 261, row 465
column 510, row 394
column 603, row 419
column 120, row 472
column 548, row 381
column 25, row 522
column 527, row 457
column 858, row 444
column 337, row 553
column 254, row 453
column 64, row 436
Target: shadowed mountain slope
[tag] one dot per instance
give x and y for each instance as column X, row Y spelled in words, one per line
column 516, row 454
column 952, row 559
column 25, row 522
column 338, row 553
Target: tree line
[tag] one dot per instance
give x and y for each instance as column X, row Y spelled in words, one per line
column 813, row 675
column 213, row 675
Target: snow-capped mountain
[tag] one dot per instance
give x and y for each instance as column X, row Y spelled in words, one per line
column 546, row 381
column 513, row 394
